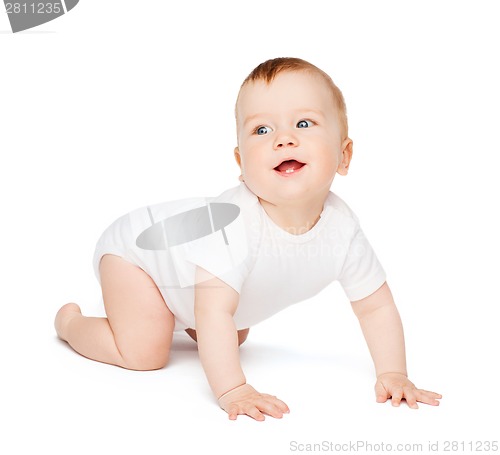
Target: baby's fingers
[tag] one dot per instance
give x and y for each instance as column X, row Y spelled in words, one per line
column 381, row 392
column 256, row 410
column 245, row 400
column 396, row 393
column 247, row 409
column 424, row 396
column 273, row 407
column 397, row 396
column 280, row 405
column 411, row 397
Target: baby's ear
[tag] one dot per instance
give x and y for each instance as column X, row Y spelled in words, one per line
column 345, row 158
column 237, row 156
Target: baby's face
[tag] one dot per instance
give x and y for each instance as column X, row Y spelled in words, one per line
column 289, row 138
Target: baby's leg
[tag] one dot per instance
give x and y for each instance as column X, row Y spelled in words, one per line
column 137, row 334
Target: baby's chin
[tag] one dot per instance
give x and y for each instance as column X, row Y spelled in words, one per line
column 291, row 198
column 289, row 192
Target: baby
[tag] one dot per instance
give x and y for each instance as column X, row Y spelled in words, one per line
column 216, row 266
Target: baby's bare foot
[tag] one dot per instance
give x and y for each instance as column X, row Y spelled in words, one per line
column 63, row 316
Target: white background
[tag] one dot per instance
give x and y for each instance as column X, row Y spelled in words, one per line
column 120, row 104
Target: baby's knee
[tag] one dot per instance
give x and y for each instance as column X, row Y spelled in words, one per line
column 143, row 355
column 145, row 362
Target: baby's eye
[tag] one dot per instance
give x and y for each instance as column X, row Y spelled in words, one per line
column 304, row 124
column 262, row 130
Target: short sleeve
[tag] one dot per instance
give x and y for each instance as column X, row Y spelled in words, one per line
column 362, row 273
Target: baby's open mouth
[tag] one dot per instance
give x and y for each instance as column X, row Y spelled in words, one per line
column 289, row 166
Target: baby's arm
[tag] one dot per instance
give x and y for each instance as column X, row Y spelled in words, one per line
column 383, row 331
column 215, row 305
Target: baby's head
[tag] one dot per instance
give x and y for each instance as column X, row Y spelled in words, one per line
column 292, row 131
column 270, row 69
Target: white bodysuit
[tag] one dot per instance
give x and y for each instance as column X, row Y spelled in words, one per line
column 269, row 267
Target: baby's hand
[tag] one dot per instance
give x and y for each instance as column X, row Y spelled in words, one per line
column 398, row 386
column 246, row 400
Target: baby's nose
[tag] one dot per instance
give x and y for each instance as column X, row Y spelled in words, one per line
column 285, row 140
